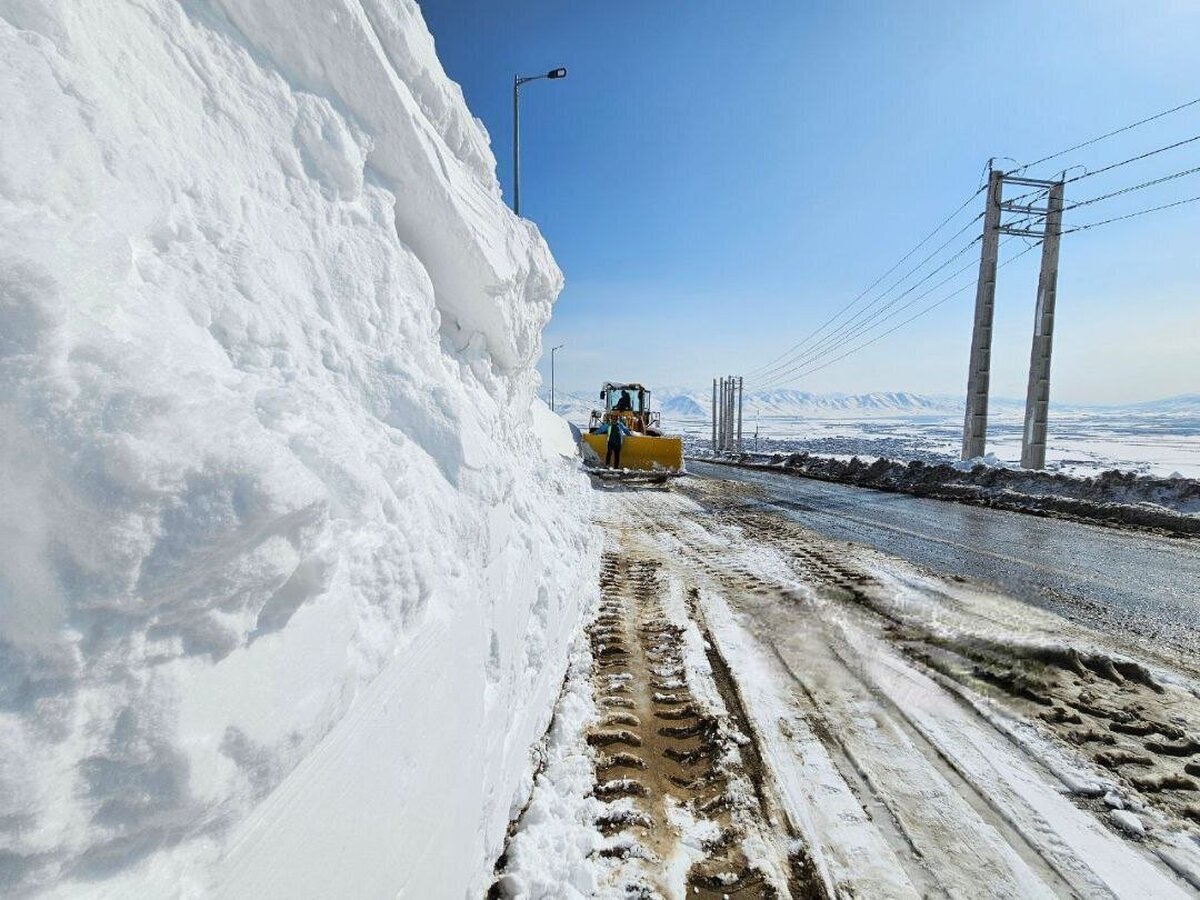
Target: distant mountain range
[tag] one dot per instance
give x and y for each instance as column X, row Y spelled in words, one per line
column 684, row 404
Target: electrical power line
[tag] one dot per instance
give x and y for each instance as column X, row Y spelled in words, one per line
column 1036, row 194
column 1131, row 189
column 911, row 318
column 1101, row 137
column 815, row 364
column 768, row 366
column 1133, row 159
column 836, row 342
column 807, row 363
column 811, row 361
column 1140, row 212
column 850, row 324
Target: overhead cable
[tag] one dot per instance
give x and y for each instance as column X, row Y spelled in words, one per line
column 1140, row 212
column 852, row 329
column 1131, row 189
column 793, row 355
column 767, row 367
column 1133, row 159
column 912, row 318
column 1102, row 137
column 809, row 361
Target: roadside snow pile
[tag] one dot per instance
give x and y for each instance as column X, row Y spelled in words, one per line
column 1119, row 498
column 989, row 460
column 556, row 433
column 287, row 578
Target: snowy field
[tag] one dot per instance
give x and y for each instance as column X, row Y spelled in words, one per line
column 1078, row 443
column 1159, row 438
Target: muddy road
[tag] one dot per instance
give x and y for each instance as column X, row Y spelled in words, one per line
column 1119, row 581
column 758, row 709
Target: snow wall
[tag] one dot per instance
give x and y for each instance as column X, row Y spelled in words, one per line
column 286, row 576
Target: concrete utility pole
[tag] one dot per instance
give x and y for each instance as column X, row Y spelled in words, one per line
column 980, row 371
column 729, row 419
column 729, row 413
column 720, row 408
column 721, row 427
column 739, row 414
column 714, row 416
column 553, row 350
column 1037, row 398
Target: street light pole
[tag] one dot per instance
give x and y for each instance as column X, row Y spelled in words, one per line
column 553, row 350
column 516, row 146
column 519, row 80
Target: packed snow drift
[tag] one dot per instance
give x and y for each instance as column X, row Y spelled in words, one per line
column 287, row 575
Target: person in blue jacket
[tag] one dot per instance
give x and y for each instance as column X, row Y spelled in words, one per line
column 616, row 434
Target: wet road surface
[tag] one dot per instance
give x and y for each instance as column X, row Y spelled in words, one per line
column 1115, row 581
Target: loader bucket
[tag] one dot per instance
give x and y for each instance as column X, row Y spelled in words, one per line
column 641, row 451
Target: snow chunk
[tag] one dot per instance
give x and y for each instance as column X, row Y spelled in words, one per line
column 989, row 461
column 1128, row 822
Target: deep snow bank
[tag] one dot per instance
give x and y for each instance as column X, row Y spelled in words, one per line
column 286, row 579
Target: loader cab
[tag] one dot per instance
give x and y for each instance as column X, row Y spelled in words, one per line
column 638, row 400
column 634, row 413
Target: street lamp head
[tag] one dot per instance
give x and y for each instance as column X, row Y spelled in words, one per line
column 557, row 73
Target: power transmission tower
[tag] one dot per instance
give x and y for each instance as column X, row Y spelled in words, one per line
column 1033, row 445
column 727, row 414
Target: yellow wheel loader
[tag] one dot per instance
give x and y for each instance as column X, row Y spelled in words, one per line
column 646, row 453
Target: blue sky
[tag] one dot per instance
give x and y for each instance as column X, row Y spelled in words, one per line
column 716, row 178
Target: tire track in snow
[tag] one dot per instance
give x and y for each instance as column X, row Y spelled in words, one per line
column 667, row 767
column 1108, row 707
column 845, row 592
column 883, row 763
column 679, row 795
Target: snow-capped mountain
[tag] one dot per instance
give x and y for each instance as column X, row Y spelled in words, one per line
column 1181, row 405
column 788, row 402
column 686, row 404
column 683, row 404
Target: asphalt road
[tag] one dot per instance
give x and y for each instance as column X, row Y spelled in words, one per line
column 1122, row 582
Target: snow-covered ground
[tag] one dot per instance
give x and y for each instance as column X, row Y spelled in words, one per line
column 907, row 735
column 287, row 576
column 1156, row 438
column 1080, row 442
